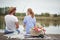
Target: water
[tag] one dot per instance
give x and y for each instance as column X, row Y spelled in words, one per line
column 52, row 27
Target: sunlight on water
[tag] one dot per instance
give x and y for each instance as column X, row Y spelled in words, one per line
column 52, row 30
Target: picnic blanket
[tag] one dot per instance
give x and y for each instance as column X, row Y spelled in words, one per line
column 16, row 34
column 22, row 34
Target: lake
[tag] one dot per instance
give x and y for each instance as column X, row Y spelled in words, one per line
column 51, row 27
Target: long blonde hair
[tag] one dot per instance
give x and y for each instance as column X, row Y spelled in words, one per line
column 31, row 12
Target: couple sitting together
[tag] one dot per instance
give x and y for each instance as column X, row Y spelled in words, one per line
column 12, row 21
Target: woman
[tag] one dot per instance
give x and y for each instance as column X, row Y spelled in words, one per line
column 29, row 20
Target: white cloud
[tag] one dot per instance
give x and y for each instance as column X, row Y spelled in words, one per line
column 38, row 6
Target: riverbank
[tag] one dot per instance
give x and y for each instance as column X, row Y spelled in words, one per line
column 52, row 37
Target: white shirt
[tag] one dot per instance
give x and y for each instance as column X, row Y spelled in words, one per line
column 10, row 22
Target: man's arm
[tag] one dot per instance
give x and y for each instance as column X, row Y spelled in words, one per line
column 17, row 25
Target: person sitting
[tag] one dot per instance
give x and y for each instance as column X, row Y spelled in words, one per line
column 11, row 21
column 29, row 20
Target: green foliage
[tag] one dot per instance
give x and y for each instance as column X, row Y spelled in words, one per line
column 45, row 14
column 1, row 22
column 58, row 15
column 55, row 15
column 20, row 14
column 1, row 11
column 4, row 11
column 37, row 15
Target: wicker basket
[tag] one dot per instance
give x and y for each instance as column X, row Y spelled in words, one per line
column 35, row 33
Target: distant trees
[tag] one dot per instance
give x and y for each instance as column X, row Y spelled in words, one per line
column 43, row 15
column 37, row 15
column 20, row 14
column 55, row 15
column 59, row 15
column 47, row 15
column 4, row 11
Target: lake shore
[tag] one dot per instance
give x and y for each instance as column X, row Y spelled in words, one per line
column 52, row 37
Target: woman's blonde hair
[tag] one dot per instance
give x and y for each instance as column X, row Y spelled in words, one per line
column 31, row 12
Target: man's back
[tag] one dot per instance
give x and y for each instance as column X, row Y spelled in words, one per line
column 10, row 22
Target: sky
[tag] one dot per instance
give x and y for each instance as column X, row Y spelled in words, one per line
column 38, row 6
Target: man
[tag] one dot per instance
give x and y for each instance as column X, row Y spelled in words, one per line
column 11, row 21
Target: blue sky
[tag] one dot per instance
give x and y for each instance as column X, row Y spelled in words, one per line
column 38, row 6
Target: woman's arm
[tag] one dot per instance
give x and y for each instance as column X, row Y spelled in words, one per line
column 24, row 26
column 24, row 22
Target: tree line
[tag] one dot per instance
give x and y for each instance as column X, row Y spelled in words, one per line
column 4, row 11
